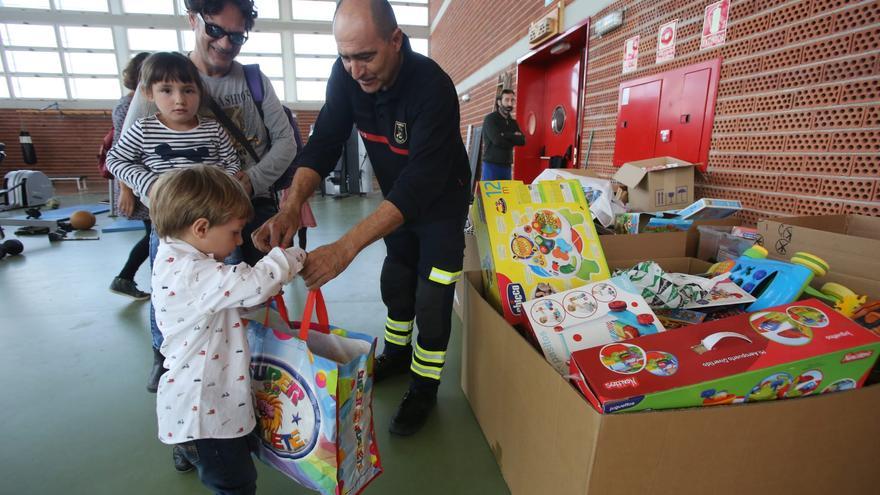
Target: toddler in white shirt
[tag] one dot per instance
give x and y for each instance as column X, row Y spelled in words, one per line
column 204, row 403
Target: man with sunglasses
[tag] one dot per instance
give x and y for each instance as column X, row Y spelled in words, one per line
column 221, row 28
column 406, row 110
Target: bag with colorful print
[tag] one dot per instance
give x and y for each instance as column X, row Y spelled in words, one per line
column 313, row 395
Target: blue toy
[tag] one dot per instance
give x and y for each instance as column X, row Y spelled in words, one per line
column 632, row 325
column 776, row 282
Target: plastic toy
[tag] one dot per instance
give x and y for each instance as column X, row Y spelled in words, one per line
column 776, row 282
column 629, row 325
column 793, row 350
column 868, row 316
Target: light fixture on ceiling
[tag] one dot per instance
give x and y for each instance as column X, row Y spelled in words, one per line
column 560, row 48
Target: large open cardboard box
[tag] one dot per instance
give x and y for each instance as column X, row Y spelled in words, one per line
column 658, row 184
column 848, row 243
column 548, row 440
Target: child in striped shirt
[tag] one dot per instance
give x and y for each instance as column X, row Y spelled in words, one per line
column 176, row 137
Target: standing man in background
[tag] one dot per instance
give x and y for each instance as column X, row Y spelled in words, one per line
column 406, row 110
column 500, row 134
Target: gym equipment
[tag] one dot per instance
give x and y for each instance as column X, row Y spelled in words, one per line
column 2, row 252
column 65, row 213
column 28, row 152
column 123, row 226
column 13, row 247
column 22, row 188
column 82, row 220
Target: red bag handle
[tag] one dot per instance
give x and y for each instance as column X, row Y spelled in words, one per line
column 314, row 303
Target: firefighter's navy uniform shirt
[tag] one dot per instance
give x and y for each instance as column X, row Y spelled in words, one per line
column 411, row 133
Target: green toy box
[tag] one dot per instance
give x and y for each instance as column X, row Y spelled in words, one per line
column 534, row 241
column 794, row 350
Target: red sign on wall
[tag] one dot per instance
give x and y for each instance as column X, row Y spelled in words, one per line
column 666, row 42
column 631, row 55
column 715, row 24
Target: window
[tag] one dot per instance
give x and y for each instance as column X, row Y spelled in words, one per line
column 28, row 61
column 271, row 66
column 314, row 44
column 266, row 9
column 410, row 16
column 311, row 10
column 419, row 45
column 4, row 89
column 152, row 40
column 91, row 63
column 28, row 35
column 28, row 4
column 314, row 67
column 311, row 90
column 85, row 5
column 148, row 6
column 91, row 88
column 262, row 43
column 39, row 87
column 278, row 86
column 189, row 40
column 86, row 37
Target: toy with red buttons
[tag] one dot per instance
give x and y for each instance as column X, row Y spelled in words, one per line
column 599, row 313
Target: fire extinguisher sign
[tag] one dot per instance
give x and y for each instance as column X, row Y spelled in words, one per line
column 666, row 42
column 631, row 55
column 715, row 24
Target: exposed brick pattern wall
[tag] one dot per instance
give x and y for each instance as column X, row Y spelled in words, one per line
column 473, row 32
column 796, row 126
column 67, row 144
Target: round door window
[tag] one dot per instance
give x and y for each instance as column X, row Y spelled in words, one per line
column 557, row 123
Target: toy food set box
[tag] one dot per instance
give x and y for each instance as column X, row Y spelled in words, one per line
column 642, row 223
column 590, row 315
column 793, row 350
column 534, row 241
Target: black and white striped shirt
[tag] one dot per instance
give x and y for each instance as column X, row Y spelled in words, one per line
column 148, row 148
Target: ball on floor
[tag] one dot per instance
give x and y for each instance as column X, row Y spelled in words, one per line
column 13, row 247
column 82, row 220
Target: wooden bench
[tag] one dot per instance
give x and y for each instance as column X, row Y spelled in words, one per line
column 81, row 184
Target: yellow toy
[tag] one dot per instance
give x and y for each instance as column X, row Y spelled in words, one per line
column 534, row 241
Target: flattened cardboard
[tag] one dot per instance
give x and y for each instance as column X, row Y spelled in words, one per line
column 812, row 446
column 658, row 184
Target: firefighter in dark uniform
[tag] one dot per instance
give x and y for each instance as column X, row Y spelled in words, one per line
column 406, row 110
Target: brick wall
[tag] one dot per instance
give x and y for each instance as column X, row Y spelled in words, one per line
column 67, row 144
column 473, row 32
column 797, row 123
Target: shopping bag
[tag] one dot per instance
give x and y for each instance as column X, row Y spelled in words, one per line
column 313, row 398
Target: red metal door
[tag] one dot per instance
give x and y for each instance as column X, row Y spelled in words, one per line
column 682, row 114
column 638, row 111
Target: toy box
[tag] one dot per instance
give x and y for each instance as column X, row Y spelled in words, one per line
column 640, row 223
column 706, row 209
column 534, row 241
column 590, row 315
column 787, row 351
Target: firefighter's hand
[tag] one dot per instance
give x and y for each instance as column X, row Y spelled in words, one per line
column 324, row 264
column 277, row 231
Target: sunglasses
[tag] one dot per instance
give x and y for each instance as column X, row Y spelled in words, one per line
column 217, row 32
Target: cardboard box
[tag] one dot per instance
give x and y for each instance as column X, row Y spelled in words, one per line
column 547, row 439
column 788, row 351
column 658, row 184
column 848, row 243
column 534, row 240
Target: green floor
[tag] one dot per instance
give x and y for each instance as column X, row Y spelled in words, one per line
column 74, row 358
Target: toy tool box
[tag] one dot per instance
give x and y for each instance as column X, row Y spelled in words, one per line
column 534, row 241
column 590, row 315
column 787, row 351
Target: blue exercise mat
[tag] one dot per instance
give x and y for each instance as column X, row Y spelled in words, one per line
column 64, row 213
column 123, row 226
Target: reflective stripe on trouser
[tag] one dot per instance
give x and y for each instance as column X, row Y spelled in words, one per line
column 398, row 332
column 427, row 364
column 444, row 277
